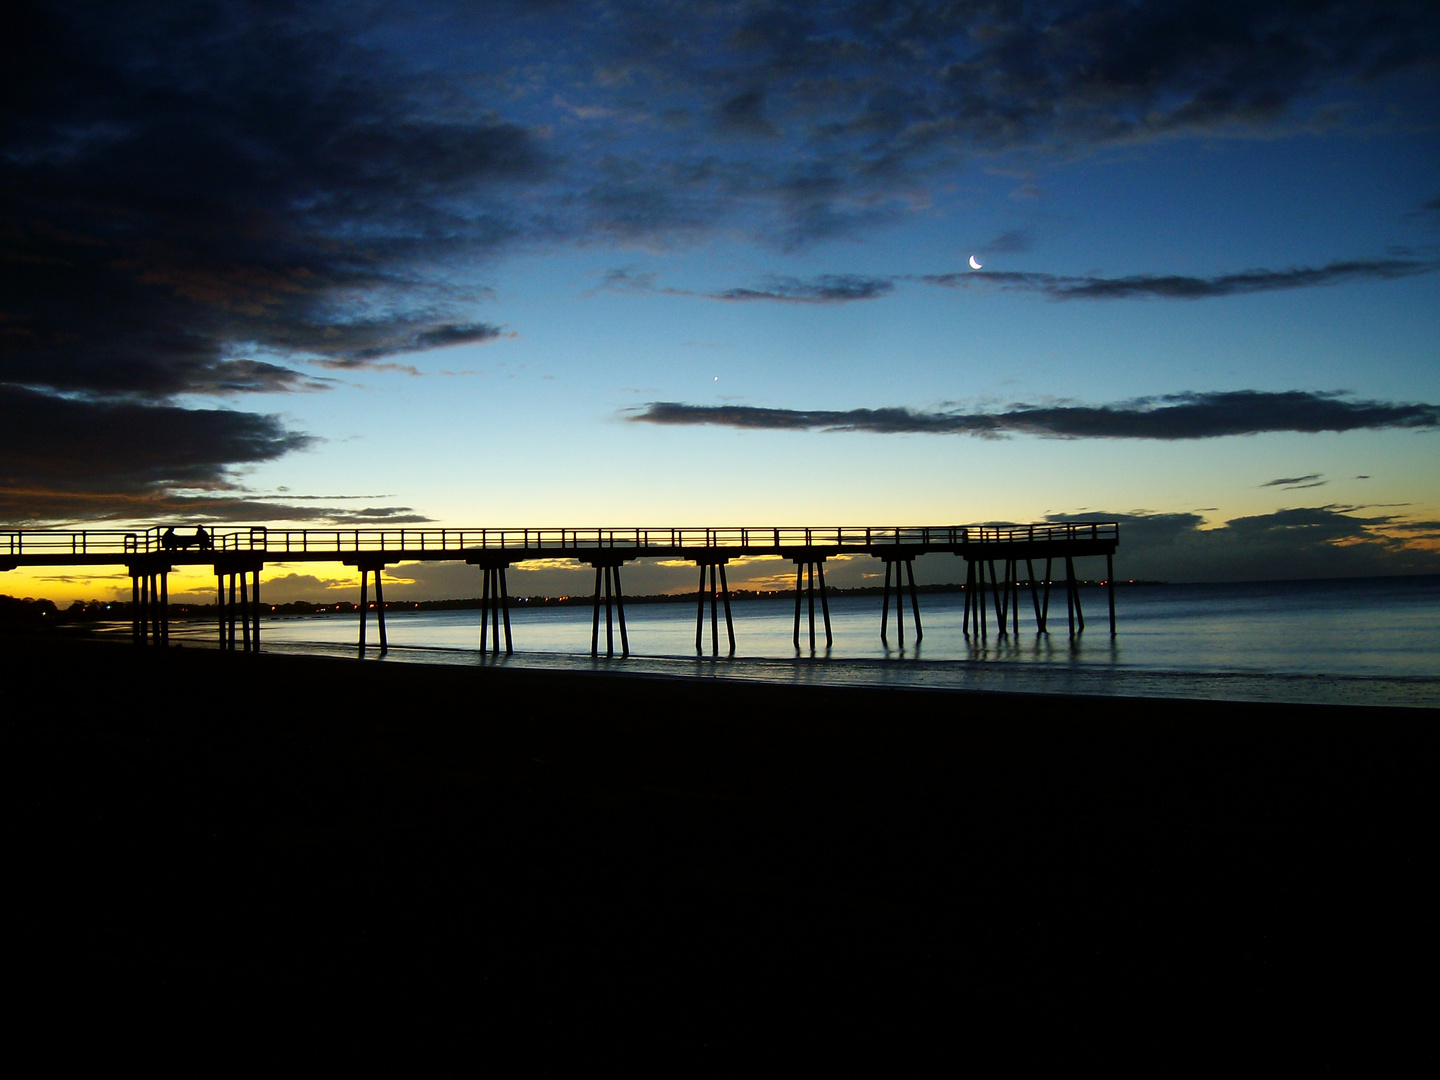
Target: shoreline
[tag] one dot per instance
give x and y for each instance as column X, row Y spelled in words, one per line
column 616, row 864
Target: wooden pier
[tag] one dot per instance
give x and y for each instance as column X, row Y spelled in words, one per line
column 237, row 556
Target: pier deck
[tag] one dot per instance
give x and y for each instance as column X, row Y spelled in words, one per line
column 240, row 553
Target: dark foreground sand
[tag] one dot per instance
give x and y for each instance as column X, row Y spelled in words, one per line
column 313, row 860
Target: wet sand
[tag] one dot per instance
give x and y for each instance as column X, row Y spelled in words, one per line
column 302, row 860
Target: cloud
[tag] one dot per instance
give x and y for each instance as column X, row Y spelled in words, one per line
column 842, row 288
column 861, row 100
column 66, row 459
column 129, row 448
column 274, row 185
column 822, row 289
column 274, row 191
column 1171, row 416
column 1297, row 483
column 1301, row 542
column 1178, row 287
column 825, row 289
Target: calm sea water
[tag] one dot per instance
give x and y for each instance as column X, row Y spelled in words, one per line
column 1373, row 641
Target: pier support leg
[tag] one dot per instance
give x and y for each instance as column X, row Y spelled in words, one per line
column 1000, row 596
column 718, row 593
column 824, row 608
column 494, row 611
column 1110, row 583
column 364, row 605
column 885, row 607
column 165, row 607
column 492, row 614
column 505, row 608
column 969, row 592
column 609, row 616
column 135, row 608
column 714, row 615
column 729, row 620
column 495, row 605
column 1070, row 594
column 379, row 612
column 614, row 604
column 812, row 606
column 220, row 604
column 980, row 600
column 230, row 616
column 1045, row 604
column 245, row 610
column 799, row 584
column 619, row 611
column 914, row 600
column 1034, row 596
column 700, row 613
column 805, row 587
column 899, row 610
column 595, row 621
column 485, row 602
column 1015, row 598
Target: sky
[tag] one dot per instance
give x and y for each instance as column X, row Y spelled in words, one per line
column 651, row 263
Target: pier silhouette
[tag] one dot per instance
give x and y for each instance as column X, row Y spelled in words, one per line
column 238, row 555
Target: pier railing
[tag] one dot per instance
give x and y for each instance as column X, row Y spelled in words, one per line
column 274, row 542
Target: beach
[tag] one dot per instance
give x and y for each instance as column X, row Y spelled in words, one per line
column 704, row 874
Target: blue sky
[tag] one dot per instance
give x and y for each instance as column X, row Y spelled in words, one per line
column 456, row 265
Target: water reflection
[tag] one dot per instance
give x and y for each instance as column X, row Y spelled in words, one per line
column 1326, row 641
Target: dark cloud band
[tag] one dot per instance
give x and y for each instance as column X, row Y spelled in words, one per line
column 843, row 288
column 1173, row 416
column 826, row 289
column 822, row 289
column 73, row 458
column 1178, row 287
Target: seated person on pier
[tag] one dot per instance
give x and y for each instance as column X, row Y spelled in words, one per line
column 170, row 541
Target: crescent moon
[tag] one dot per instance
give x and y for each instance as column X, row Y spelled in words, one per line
column 974, row 265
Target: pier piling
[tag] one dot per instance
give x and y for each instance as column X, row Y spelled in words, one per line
column 812, row 562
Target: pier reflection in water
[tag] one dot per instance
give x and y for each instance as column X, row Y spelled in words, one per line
column 1372, row 642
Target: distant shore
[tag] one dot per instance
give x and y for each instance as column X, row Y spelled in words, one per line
column 695, row 867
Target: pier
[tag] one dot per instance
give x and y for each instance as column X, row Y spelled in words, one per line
column 237, row 556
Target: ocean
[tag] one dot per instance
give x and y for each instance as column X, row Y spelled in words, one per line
column 1372, row 641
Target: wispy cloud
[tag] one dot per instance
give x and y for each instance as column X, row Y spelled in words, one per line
column 1169, row 417
column 825, row 289
column 843, row 288
column 1287, row 481
column 821, row 289
column 1297, row 483
column 1180, row 287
